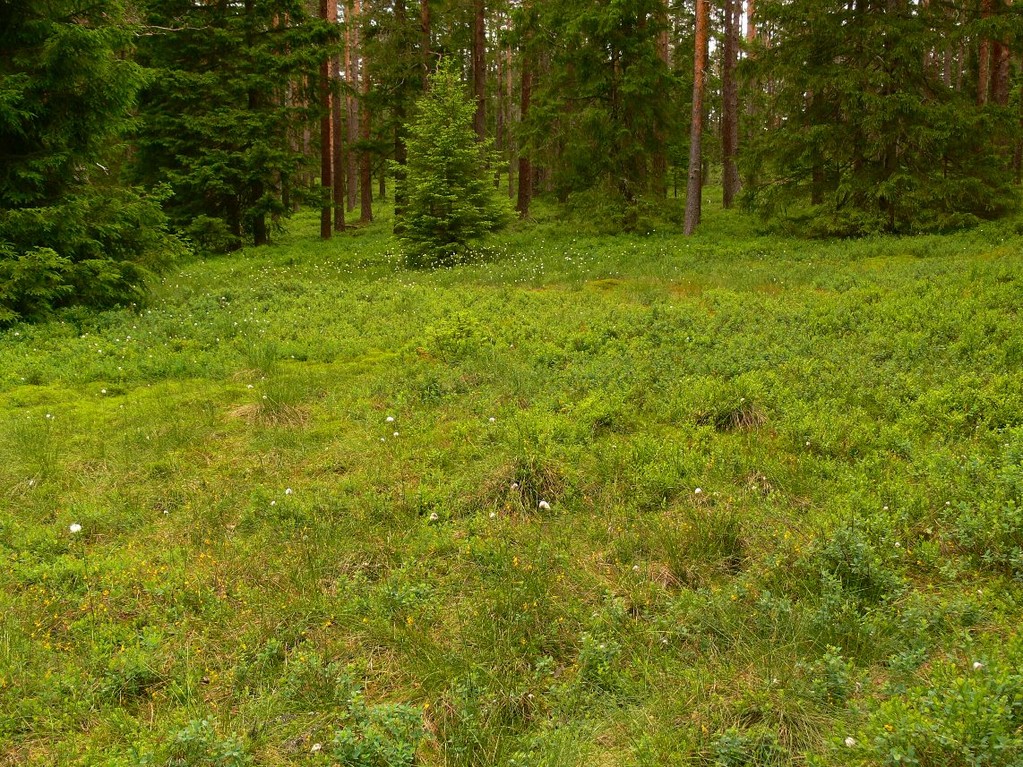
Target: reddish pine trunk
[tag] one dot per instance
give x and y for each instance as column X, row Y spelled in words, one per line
column 337, row 143
column 659, row 162
column 479, row 69
column 351, row 104
column 730, row 99
column 694, row 185
column 751, row 27
column 525, row 166
column 365, row 159
column 425, row 40
column 326, row 156
column 1001, row 56
column 984, row 59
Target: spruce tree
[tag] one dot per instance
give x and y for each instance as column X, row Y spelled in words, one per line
column 451, row 203
column 69, row 234
column 863, row 127
column 234, row 87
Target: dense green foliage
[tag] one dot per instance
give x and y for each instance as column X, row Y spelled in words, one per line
column 864, row 121
column 451, row 203
column 66, row 235
column 222, row 118
column 271, row 571
column 605, row 105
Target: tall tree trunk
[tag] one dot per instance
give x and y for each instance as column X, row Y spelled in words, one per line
column 351, row 102
column 694, row 185
column 1000, row 66
column 365, row 127
column 326, row 153
column 525, row 166
column 426, row 40
column 499, row 138
column 984, row 59
column 659, row 162
column 730, row 99
column 479, row 69
column 751, row 26
column 400, row 151
column 510, row 90
column 337, row 145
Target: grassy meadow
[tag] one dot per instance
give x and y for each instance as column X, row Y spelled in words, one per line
column 598, row 500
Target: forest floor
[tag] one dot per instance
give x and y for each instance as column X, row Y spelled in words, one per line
column 602, row 500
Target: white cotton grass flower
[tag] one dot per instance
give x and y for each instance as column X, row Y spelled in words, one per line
column 492, row 419
column 514, row 485
column 850, row 742
column 493, row 515
column 316, row 747
column 698, row 491
column 288, row 491
column 75, row 528
column 389, row 419
column 395, row 434
column 434, row 517
column 977, row 665
column 544, row 505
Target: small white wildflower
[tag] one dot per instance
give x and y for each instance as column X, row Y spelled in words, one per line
column 434, row 517
column 75, row 528
column 48, row 415
column 493, row 515
column 664, row 640
column 102, row 391
column 515, row 486
column 316, row 747
column 948, row 503
column 898, row 545
column 395, row 434
column 544, row 505
column 273, row 503
column 250, row 386
column 288, row 491
column 492, row 419
column 635, row 568
column 885, row 508
column 850, row 741
column 977, row 665
column 389, row 419
column 698, row 491
column 808, row 443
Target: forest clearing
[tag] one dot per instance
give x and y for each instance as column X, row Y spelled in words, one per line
column 781, row 487
column 506, row 383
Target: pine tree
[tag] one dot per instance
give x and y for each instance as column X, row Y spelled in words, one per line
column 451, row 202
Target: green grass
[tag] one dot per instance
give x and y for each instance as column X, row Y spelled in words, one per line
column 267, row 562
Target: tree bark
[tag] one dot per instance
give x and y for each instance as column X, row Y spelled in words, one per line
column 351, row 103
column 337, row 145
column 326, row 153
column 730, row 102
column 659, row 162
column 400, row 151
column 694, row 185
column 425, row 40
column 984, row 59
column 365, row 128
column 479, row 69
column 751, row 26
column 525, row 166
